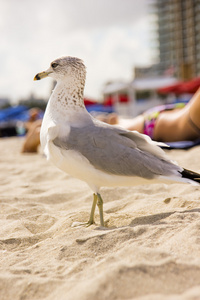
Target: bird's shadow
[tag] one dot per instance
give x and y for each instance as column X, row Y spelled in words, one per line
column 157, row 218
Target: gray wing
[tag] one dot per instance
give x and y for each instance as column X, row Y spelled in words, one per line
column 115, row 151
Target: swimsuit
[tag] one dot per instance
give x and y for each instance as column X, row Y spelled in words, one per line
column 151, row 116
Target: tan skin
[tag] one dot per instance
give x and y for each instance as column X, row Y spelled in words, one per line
column 32, row 140
column 176, row 125
column 171, row 126
column 32, row 126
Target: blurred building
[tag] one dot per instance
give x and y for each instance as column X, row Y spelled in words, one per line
column 178, row 33
column 148, row 71
column 177, row 40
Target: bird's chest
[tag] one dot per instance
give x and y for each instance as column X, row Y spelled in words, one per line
column 51, row 124
column 69, row 161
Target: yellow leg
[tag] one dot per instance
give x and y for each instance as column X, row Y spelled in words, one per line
column 100, row 206
column 91, row 219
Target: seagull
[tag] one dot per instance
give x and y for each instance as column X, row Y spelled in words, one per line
column 92, row 151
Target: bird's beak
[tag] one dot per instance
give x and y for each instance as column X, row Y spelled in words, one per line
column 41, row 75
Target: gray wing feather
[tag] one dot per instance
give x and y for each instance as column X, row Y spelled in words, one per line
column 114, row 151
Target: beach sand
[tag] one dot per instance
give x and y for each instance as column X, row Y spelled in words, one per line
column 150, row 250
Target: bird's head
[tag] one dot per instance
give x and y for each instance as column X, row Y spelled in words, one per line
column 66, row 68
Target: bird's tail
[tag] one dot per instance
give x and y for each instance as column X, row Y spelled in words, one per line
column 190, row 175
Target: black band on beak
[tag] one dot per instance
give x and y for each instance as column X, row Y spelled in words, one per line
column 37, row 77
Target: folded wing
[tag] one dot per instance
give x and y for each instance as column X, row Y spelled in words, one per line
column 117, row 151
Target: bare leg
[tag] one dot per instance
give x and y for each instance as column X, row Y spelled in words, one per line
column 112, row 119
column 137, row 124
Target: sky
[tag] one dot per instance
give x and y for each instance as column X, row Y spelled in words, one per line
column 111, row 36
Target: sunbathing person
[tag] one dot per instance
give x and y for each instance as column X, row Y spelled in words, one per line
column 165, row 123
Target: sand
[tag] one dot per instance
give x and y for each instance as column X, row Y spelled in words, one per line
column 150, row 250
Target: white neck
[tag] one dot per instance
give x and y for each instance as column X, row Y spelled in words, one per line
column 66, row 104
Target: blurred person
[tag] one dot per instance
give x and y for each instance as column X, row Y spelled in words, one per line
column 32, row 129
column 165, row 123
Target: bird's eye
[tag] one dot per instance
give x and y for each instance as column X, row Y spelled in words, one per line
column 54, row 65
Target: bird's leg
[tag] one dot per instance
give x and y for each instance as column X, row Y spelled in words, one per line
column 91, row 219
column 100, row 206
